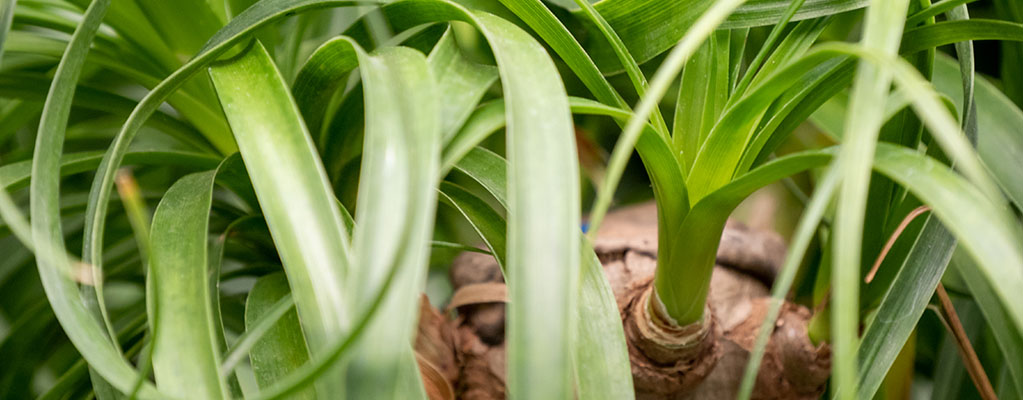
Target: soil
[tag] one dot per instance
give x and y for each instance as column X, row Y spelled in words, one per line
column 469, row 351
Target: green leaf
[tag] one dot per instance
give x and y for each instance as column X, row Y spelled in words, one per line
column 929, row 36
column 254, row 17
column 665, row 22
column 673, row 63
column 6, row 16
column 662, row 167
column 9, row 212
column 489, row 169
column 184, row 25
column 950, row 376
column 735, row 133
column 603, row 370
column 271, row 320
column 997, row 313
column 997, row 118
column 922, row 268
column 543, row 205
column 286, row 171
column 639, row 82
column 55, row 269
column 557, row 36
column 998, row 122
column 881, row 33
column 694, row 108
column 30, row 86
column 765, row 49
column 319, row 80
column 16, row 175
column 461, row 83
column 490, row 225
column 903, row 305
column 1012, row 57
column 397, row 193
column 485, row 120
column 805, row 231
column 322, row 362
column 543, row 199
column 600, row 350
column 186, row 354
column 993, row 245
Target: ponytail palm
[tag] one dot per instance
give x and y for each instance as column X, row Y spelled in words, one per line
column 294, row 268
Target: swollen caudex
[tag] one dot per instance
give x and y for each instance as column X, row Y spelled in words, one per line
column 702, row 360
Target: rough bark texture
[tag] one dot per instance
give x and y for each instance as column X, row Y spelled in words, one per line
column 435, row 352
column 709, row 367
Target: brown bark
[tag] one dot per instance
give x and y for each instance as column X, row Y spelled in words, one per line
column 702, row 361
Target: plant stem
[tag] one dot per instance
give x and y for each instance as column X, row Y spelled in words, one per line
column 970, row 359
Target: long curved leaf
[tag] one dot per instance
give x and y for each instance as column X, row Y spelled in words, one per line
column 700, row 31
column 55, row 269
column 401, row 157
column 600, row 352
column 281, row 349
column 293, row 192
column 186, row 353
column 666, row 21
column 260, row 14
column 881, row 33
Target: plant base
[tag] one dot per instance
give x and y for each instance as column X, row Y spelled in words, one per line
column 702, row 361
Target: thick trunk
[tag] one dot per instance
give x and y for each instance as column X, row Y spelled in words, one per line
column 704, row 361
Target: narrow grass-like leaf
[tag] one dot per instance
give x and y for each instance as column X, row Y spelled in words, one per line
column 691, row 117
column 554, row 33
column 461, row 83
column 933, row 10
column 772, row 38
column 17, row 175
column 488, row 223
column 30, row 86
column 700, row 30
column 902, row 306
column 639, row 82
column 998, row 121
column 55, row 269
column 922, row 269
column 721, row 154
column 994, row 245
column 278, row 347
column 927, row 36
column 686, row 47
column 9, row 212
column 258, row 15
column 882, row 31
column 542, row 200
column 666, row 21
column 397, row 193
column 600, row 353
column 543, row 203
column 285, row 171
column 1011, row 57
column 805, row 231
column 484, row 121
column 6, row 16
column 323, row 362
column 186, row 354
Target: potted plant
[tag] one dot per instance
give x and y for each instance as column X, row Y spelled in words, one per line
column 287, row 171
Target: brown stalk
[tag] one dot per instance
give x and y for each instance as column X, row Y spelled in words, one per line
column 970, row 359
column 948, row 313
column 891, row 241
